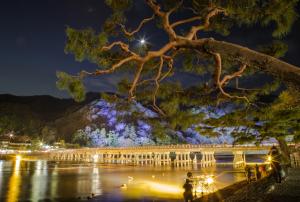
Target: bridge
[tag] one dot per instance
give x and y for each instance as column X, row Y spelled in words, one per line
column 178, row 155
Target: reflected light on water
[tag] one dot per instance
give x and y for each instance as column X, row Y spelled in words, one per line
column 1, row 176
column 96, row 185
column 54, row 182
column 164, row 188
column 38, row 183
column 14, row 182
column 92, row 184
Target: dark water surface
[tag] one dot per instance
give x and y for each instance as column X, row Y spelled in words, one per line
column 22, row 180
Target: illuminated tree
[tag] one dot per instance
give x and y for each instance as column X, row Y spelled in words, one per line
column 277, row 119
column 225, row 66
column 153, row 66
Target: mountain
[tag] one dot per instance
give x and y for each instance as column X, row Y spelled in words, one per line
column 94, row 122
column 49, row 118
column 28, row 115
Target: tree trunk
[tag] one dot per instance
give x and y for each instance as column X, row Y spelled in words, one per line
column 285, row 152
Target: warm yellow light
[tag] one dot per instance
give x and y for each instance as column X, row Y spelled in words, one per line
column 130, row 179
column 14, row 182
column 18, row 157
column 124, row 186
column 209, row 180
column 164, row 188
column 95, row 158
column 269, row 158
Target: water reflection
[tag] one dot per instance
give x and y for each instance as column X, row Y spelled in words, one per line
column 42, row 180
column 164, row 188
column 1, row 176
column 14, row 182
column 96, row 181
column 39, row 181
column 54, row 181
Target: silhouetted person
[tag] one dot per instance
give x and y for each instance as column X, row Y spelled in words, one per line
column 262, row 170
column 248, row 173
column 275, row 163
column 257, row 172
column 189, row 175
column 188, row 191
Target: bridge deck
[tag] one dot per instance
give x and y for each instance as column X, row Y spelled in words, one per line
column 169, row 148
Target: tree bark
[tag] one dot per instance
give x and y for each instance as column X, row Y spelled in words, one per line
column 285, row 152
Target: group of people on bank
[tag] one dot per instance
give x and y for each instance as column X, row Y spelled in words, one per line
column 273, row 167
column 259, row 171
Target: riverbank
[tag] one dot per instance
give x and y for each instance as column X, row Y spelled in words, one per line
column 264, row 190
column 221, row 194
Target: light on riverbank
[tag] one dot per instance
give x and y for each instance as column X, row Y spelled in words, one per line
column 269, row 158
column 209, row 180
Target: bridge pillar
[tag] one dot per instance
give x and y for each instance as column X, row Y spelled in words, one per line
column 129, row 158
column 121, row 158
column 182, row 158
column 156, row 158
column 141, row 158
column 167, row 159
column 176, row 161
column 110, row 158
column 146, row 158
column 95, row 158
column 135, row 159
column 125, row 158
column 151, row 158
column 188, row 158
column 208, row 159
column 195, row 159
column 159, row 159
column 239, row 159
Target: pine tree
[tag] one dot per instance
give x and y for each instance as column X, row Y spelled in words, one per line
column 226, row 66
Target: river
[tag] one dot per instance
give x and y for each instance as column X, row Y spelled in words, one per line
column 39, row 180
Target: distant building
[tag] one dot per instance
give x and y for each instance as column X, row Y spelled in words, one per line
column 15, row 143
column 4, row 142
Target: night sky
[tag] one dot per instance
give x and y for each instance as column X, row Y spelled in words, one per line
column 33, row 38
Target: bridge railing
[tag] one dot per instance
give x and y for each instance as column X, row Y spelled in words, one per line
column 165, row 147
